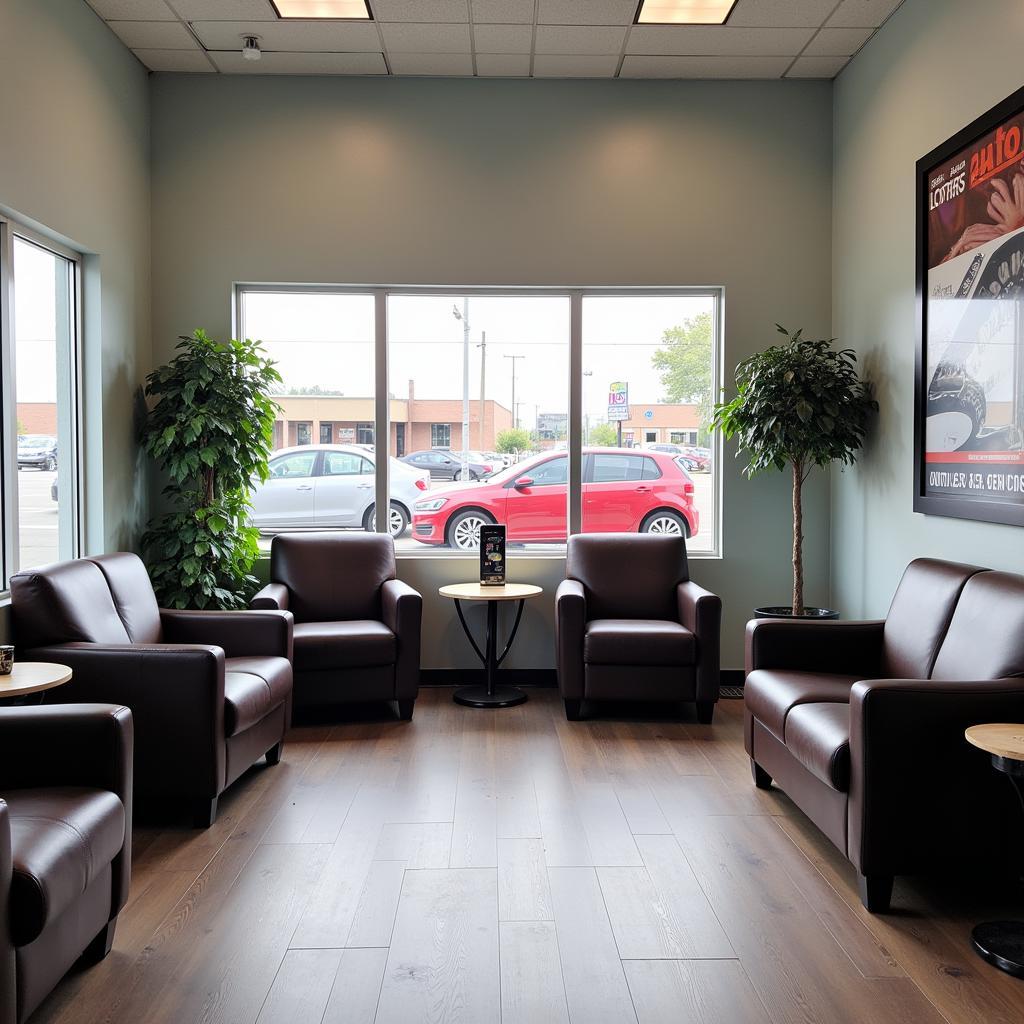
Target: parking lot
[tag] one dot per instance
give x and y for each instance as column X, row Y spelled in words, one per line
column 38, row 539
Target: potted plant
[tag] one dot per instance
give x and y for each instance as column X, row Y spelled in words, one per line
column 799, row 404
column 211, row 432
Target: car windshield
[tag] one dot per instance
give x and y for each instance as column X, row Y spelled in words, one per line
column 35, row 441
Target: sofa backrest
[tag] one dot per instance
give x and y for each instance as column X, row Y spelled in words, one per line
column 133, row 595
column 919, row 616
column 66, row 602
column 628, row 575
column 985, row 640
column 333, row 576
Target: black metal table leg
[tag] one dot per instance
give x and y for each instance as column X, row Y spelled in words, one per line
column 492, row 695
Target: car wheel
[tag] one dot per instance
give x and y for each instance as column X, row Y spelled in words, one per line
column 464, row 529
column 51, row 464
column 399, row 522
column 667, row 522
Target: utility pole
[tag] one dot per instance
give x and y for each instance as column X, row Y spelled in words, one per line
column 515, row 418
column 464, row 317
column 483, row 383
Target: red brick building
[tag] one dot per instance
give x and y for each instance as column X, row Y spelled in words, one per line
column 37, row 418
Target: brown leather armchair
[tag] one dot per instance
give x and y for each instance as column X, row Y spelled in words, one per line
column 210, row 691
column 357, row 628
column 862, row 723
column 631, row 625
column 65, row 843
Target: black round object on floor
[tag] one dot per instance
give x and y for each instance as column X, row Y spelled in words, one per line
column 1001, row 943
column 478, row 697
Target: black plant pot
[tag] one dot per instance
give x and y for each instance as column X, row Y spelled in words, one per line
column 786, row 612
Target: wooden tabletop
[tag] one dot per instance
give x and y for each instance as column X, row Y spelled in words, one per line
column 33, row 677
column 476, row 592
column 1001, row 739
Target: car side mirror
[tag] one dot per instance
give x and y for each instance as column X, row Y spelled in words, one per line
column 523, row 481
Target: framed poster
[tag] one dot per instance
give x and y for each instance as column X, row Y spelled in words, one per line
column 969, row 384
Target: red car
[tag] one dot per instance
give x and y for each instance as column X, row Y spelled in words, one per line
column 624, row 490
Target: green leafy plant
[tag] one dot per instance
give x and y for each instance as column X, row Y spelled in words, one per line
column 515, row 439
column 211, row 432
column 800, row 404
column 603, row 435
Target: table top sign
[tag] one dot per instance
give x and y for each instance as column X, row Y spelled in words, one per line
column 492, row 556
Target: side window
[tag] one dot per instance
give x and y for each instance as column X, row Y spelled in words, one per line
column 651, row 470
column 609, row 469
column 288, row 467
column 345, row 464
column 549, row 473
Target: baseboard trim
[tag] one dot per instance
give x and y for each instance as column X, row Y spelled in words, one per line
column 542, row 677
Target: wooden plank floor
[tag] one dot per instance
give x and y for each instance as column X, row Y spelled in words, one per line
column 473, row 867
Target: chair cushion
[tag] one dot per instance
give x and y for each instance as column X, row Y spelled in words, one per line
column 355, row 643
column 818, row 736
column 133, row 595
column 638, row 642
column 61, row 839
column 770, row 694
column 253, row 687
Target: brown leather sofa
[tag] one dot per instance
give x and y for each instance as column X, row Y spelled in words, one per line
column 210, row 691
column 357, row 628
column 862, row 723
column 631, row 625
column 65, row 843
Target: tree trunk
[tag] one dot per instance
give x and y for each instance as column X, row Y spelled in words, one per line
column 798, row 539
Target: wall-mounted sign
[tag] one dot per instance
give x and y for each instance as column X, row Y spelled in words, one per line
column 346, row 435
column 618, row 400
column 648, row 414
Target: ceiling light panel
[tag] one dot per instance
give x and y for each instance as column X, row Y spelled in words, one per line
column 684, row 12
column 322, row 8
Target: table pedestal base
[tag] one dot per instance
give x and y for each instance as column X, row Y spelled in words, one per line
column 481, row 697
column 1001, row 943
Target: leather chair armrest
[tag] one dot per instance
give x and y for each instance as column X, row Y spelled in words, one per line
column 402, row 612
column 917, row 787
column 700, row 612
column 570, row 625
column 8, row 1001
column 273, row 595
column 241, row 634
column 851, row 648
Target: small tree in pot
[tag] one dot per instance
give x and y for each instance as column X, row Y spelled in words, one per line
column 211, row 431
column 799, row 404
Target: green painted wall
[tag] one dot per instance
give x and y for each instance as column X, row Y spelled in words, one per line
column 934, row 67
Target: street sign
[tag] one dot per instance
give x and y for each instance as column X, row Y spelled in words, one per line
column 618, row 401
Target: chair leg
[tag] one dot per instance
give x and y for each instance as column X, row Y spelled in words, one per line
column 705, row 711
column 875, row 892
column 274, row 753
column 204, row 813
column 573, row 710
column 761, row 778
column 405, row 708
column 100, row 945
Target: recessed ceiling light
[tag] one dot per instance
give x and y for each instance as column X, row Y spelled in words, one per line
column 338, row 9
column 684, row 12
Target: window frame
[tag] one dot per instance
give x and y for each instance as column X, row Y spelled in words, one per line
column 575, row 295
column 10, row 229
column 434, row 443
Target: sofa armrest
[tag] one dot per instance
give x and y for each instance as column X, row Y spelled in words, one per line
column 850, row 648
column 8, row 1002
column 241, row 634
column 918, row 789
column 700, row 612
column 570, row 626
column 273, row 595
column 176, row 695
column 402, row 611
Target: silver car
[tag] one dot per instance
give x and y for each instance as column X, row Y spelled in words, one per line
column 326, row 486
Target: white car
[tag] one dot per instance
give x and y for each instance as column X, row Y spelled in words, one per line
column 327, row 486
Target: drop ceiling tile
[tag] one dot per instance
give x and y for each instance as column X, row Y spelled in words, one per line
column 174, row 60
column 586, row 12
column 302, row 64
column 547, row 65
column 404, row 38
column 294, row 36
column 225, row 10
column 781, row 13
column 440, row 64
column 503, row 65
column 145, row 10
column 817, row 67
column 420, row 10
column 503, row 38
column 154, row 35
column 837, row 42
column 717, row 40
column 862, row 13
column 579, row 39
column 644, row 66
column 503, row 12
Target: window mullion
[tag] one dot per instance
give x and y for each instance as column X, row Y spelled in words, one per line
column 382, row 417
column 575, row 489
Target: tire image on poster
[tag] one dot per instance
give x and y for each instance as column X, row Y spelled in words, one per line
column 969, row 420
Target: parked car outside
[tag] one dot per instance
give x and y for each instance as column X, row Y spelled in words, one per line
column 696, row 459
column 624, row 490
column 443, row 464
column 331, row 486
column 38, row 450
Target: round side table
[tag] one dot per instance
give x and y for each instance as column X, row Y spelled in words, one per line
column 492, row 695
column 1001, row 943
column 32, row 678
